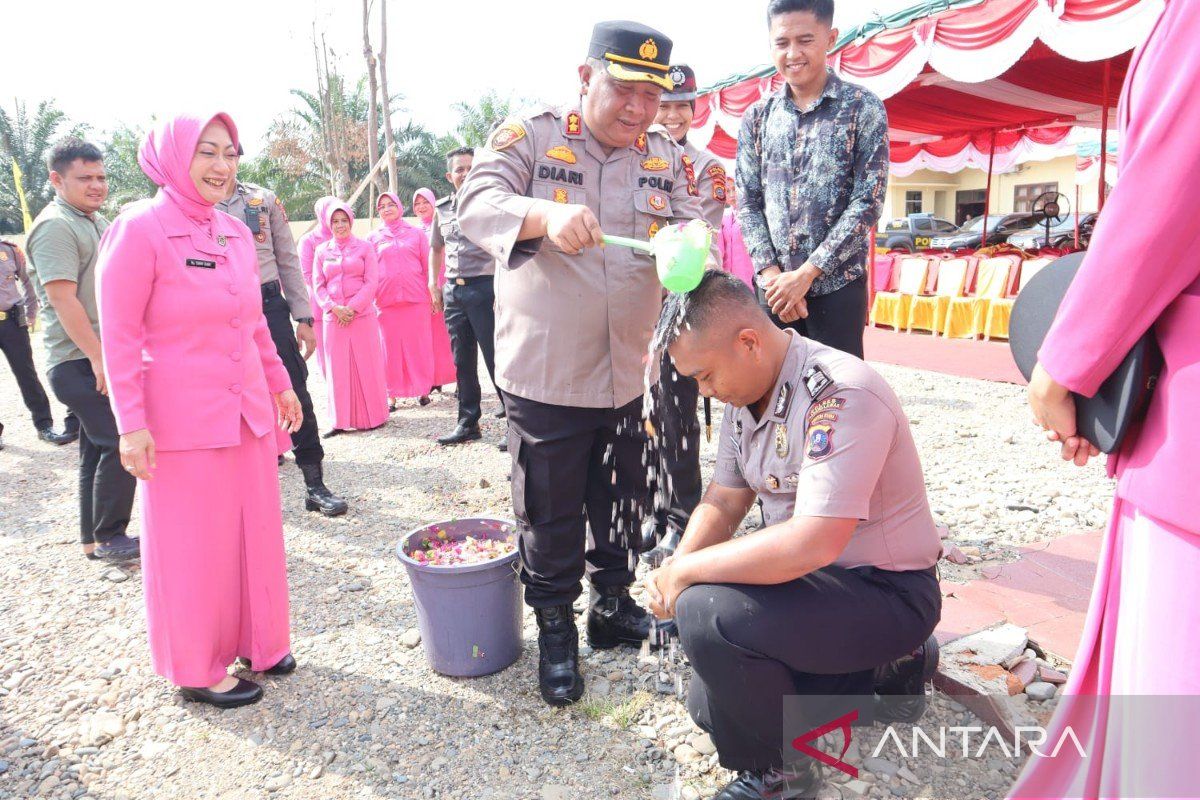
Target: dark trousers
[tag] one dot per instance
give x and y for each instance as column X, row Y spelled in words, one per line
column 823, row 634
column 306, row 442
column 677, row 485
column 836, row 319
column 105, row 488
column 471, row 321
column 14, row 341
column 576, row 471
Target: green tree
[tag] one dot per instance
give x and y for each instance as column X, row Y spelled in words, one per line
column 126, row 181
column 27, row 138
column 478, row 119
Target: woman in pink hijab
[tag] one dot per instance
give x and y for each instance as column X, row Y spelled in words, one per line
column 734, row 257
column 346, row 279
column 308, row 247
column 403, row 302
column 197, row 389
column 424, row 205
column 1135, row 684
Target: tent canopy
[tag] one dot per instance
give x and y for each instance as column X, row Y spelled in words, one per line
column 956, row 73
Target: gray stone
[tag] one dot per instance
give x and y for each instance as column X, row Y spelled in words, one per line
column 280, row 781
column 881, row 766
column 410, row 638
column 1040, row 690
column 704, row 745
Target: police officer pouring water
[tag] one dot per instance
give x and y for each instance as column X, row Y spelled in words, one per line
column 573, row 323
column 285, row 298
column 837, row 595
column 678, row 445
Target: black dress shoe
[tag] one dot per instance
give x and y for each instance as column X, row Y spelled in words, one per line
column 318, row 497
column 245, row 693
column 118, row 549
column 800, row 782
column 286, row 666
column 392, row 406
column 461, row 434
column 559, row 679
column 666, row 549
column 900, row 684
column 614, row 618
column 424, row 401
column 332, row 433
column 48, row 434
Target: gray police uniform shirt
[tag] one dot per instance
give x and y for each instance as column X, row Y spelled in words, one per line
column 834, row 442
column 274, row 244
column 709, row 182
column 573, row 330
column 16, row 291
column 464, row 258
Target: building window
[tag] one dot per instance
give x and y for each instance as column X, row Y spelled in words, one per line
column 912, row 202
column 1024, row 195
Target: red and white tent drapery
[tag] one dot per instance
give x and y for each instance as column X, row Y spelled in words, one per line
column 956, row 73
column 1087, row 169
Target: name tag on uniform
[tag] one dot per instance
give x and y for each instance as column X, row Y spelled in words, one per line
column 199, row 262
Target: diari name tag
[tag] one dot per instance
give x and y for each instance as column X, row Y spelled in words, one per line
column 199, row 262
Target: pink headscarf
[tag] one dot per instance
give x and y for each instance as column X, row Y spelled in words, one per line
column 333, row 207
column 166, row 158
column 398, row 223
column 429, row 198
column 323, row 233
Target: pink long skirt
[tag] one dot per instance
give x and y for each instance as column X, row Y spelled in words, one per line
column 443, row 356
column 1134, row 691
column 407, row 348
column 215, row 577
column 354, row 372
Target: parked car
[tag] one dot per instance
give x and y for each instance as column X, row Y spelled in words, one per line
column 914, row 232
column 1000, row 227
column 1061, row 235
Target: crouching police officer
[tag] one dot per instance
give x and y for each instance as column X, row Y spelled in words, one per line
column 285, row 297
column 838, row 593
column 573, row 321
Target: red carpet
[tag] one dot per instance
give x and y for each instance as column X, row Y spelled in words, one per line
column 989, row 361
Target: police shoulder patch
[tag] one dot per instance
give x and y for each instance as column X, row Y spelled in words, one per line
column 506, row 136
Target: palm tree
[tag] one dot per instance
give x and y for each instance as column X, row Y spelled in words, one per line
column 27, row 139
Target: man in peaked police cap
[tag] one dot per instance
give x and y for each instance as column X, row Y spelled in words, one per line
column 573, row 321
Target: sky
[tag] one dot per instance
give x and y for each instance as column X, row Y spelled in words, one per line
column 125, row 61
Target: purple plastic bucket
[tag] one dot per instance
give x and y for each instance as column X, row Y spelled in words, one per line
column 469, row 616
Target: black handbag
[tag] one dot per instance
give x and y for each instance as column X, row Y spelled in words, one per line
column 1105, row 419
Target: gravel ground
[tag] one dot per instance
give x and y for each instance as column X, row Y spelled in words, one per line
column 82, row 715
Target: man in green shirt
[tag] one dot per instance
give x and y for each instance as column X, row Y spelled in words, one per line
column 62, row 249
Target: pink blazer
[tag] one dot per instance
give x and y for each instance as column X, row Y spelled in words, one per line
column 346, row 275
column 308, row 248
column 1143, row 270
column 187, row 352
column 734, row 257
column 403, row 257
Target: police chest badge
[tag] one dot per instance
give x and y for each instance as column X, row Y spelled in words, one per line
column 562, row 153
column 655, row 164
column 658, row 202
column 560, row 196
column 254, row 202
column 221, row 240
column 506, row 136
column 261, row 237
column 653, row 230
column 781, row 441
column 821, row 417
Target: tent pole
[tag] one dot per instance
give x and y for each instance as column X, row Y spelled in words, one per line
column 1076, row 217
column 870, row 275
column 1103, row 190
column 987, row 194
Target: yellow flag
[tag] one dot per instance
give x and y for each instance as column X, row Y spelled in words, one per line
column 21, row 195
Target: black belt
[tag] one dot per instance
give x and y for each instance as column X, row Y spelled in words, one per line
column 469, row 281
column 272, row 289
column 11, row 311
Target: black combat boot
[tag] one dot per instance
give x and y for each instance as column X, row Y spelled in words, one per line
column 900, row 684
column 666, row 549
column 795, row 782
column 614, row 618
column 559, row 679
column 319, row 497
column 652, row 531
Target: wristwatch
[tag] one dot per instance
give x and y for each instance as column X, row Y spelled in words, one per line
column 304, row 321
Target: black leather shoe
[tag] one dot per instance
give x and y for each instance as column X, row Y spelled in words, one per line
column 900, row 684
column 424, row 401
column 245, row 693
column 614, row 618
column 49, row 435
column 461, row 434
column 118, row 549
column 559, row 679
column 286, row 666
column 319, row 498
column 666, row 549
column 800, row 782
column 332, row 433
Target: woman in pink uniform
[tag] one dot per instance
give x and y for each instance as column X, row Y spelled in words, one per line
column 424, row 204
column 1142, row 272
column 346, row 278
column 734, row 257
column 403, row 303
column 191, row 371
column 308, row 247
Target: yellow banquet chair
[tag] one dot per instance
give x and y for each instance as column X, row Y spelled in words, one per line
column 966, row 316
column 929, row 313
column 891, row 308
column 1000, row 310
